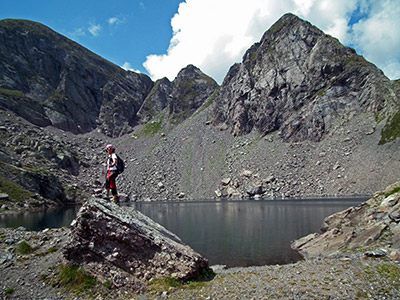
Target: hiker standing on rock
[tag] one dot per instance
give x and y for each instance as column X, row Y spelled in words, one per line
column 112, row 173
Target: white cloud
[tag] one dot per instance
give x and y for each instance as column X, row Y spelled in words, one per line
column 128, row 67
column 213, row 35
column 78, row 32
column 95, row 29
column 113, row 21
column 378, row 36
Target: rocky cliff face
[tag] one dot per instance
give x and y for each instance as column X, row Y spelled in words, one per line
column 183, row 96
column 124, row 247
column 191, row 89
column 50, row 80
column 302, row 83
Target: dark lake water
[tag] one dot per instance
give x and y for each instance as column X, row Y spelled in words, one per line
column 51, row 218
column 242, row 233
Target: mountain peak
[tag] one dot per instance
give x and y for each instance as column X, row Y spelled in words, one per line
column 50, row 80
column 296, row 81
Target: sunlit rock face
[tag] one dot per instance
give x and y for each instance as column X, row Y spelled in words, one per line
column 300, row 82
column 123, row 246
column 373, row 225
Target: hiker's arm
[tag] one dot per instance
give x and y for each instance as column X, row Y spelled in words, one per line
column 114, row 161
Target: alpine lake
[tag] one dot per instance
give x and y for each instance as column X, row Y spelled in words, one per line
column 231, row 233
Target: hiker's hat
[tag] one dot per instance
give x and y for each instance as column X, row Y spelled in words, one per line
column 109, row 146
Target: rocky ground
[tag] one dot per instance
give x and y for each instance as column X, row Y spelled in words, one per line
column 193, row 161
column 198, row 161
column 35, row 274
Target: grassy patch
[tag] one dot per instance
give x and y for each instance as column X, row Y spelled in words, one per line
column 13, row 93
column 168, row 282
column 391, row 131
column 276, row 27
column 24, row 248
column 9, row 291
column 15, row 192
column 394, row 191
column 391, row 273
column 209, row 101
column 48, row 251
column 180, row 117
column 321, row 92
column 151, row 128
column 75, row 279
column 165, row 283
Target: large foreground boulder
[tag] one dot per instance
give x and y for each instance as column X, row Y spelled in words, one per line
column 373, row 227
column 122, row 246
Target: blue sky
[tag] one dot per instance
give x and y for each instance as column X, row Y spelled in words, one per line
column 160, row 37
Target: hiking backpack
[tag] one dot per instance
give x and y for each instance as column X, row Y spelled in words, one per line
column 120, row 165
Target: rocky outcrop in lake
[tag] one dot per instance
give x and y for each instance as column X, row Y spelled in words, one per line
column 126, row 248
column 372, row 227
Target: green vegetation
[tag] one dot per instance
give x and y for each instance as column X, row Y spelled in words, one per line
column 24, row 248
column 391, row 273
column 75, row 279
column 9, row 291
column 276, row 27
column 321, row 92
column 48, row 251
column 165, row 283
column 394, row 191
column 209, row 101
column 180, row 117
column 12, row 93
column 15, row 192
column 187, row 90
column 357, row 61
column 151, row 128
column 168, row 282
column 391, row 131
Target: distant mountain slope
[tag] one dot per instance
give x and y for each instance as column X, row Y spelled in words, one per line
column 51, row 80
column 302, row 83
column 301, row 115
column 182, row 97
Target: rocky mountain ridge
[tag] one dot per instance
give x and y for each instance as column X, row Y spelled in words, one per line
column 302, row 115
column 302, row 83
column 50, row 80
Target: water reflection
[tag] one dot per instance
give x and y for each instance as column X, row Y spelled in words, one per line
column 244, row 233
column 50, row 218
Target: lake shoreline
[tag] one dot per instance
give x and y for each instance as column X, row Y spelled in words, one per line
column 18, row 209
column 34, row 275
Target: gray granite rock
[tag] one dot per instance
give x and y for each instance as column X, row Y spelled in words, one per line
column 123, row 246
